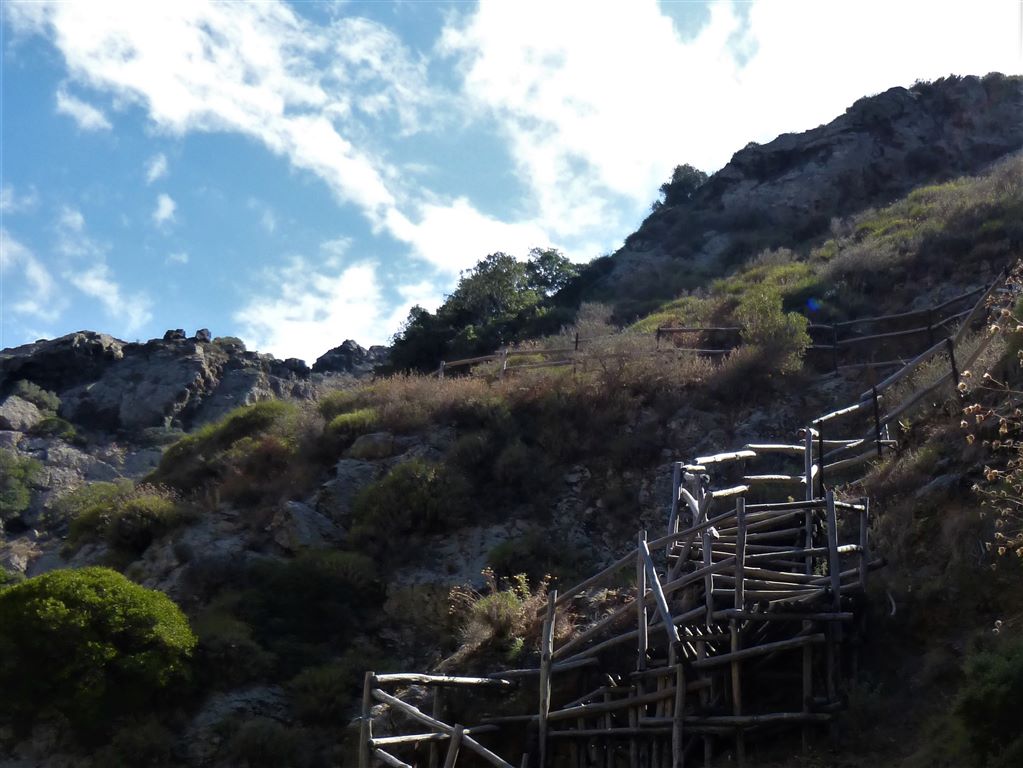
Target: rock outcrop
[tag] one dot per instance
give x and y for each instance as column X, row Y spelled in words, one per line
column 111, row 385
column 352, row 359
column 782, row 192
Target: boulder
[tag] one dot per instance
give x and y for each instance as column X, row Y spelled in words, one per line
column 375, row 445
column 351, row 359
column 203, row 336
column 351, row 476
column 297, row 526
column 18, row 415
column 177, row 334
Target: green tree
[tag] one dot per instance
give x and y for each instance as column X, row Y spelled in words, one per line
column 548, row 270
column 90, row 645
column 684, row 182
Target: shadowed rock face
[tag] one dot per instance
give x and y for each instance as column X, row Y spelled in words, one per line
column 352, row 359
column 105, row 383
column 782, row 192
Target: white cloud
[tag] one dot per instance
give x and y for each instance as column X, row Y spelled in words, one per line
column 456, row 235
column 309, row 310
column 180, row 257
column 87, row 116
column 164, row 212
column 39, row 297
column 86, row 268
column 308, row 306
column 131, row 311
column 267, row 217
column 156, row 168
column 607, row 104
column 12, row 202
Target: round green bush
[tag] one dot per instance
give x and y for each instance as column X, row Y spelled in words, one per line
column 90, row 645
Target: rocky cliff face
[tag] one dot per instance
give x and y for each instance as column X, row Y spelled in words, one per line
column 783, row 192
column 108, row 384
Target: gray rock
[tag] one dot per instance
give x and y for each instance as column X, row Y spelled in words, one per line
column 10, row 439
column 376, row 445
column 297, row 526
column 177, row 334
column 18, row 415
column 945, row 485
column 203, row 336
column 351, row 476
column 202, row 738
column 352, row 359
column 109, row 385
column 882, row 147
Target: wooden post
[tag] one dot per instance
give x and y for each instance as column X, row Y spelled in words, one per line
column 433, row 758
column 835, row 572
column 820, row 457
column 454, row 744
column 740, row 554
column 834, row 566
column 864, row 554
column 546, row 648
column 676, row 490
column 504, row 361
column 678, row 712
column 577, row 342
column 877, row 421
column 708, row 580
column 641, row 617
column 657, row 337
column 740, row 742
column 365, row 722
column 951, row 347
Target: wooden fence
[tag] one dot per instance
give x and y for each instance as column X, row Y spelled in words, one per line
column 730, row 626
column 831, row 342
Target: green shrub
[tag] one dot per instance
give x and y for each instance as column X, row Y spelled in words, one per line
column 227, row 655
column 42, row 399
column 16, row 477
column 300, row 609
column 128, row 517
column 414, row 497
column 336, row 402
column 54, row 426
column 265, row 743
column 780, row 336
column 90, row 645
column 988, row 703
column 326, row 694
column 345, row 427
column 197, row 460
column 139, row 743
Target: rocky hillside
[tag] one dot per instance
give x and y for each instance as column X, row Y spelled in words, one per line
column 786, row 192
column 314, row 523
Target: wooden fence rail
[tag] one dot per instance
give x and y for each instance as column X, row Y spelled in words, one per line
column 708, row 608
column 935, row 322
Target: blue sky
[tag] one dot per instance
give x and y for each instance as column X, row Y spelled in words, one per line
column 301, row 173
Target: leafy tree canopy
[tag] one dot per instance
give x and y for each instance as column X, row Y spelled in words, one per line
column 496, row 302
column 684, row 182
column 89, row 644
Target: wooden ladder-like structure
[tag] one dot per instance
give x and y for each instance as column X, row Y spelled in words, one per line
column 742, row 619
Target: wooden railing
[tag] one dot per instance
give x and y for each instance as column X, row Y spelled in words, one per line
column 832, row 340
column 739, row 620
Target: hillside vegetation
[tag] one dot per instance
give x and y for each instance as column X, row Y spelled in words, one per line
column 307, row 541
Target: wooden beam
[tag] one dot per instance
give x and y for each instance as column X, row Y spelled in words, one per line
column 422, row 717
column 418, row 679
column 759, row 650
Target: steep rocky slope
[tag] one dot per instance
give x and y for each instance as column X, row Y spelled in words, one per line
column 786, row 192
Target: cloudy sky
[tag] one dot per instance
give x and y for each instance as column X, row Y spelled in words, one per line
column 301, row 173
